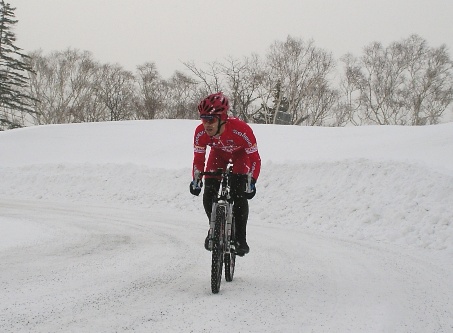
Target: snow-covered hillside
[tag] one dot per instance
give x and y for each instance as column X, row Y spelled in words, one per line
column 351, row 231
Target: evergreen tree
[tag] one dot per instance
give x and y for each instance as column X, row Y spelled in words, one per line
column 13, row 66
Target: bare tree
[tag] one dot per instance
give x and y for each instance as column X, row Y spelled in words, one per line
column 243, row 79
column 210, row 80
column 406, row 83
column 181, row 102
column 62, row 84
column 320, row 103
column 116, row 90
column 302, row 69
column 268, row 93
column 382, row 96
column 350, row 85
column 152, row 91
column 430, row 81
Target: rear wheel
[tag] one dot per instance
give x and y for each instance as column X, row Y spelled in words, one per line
column 217, row 250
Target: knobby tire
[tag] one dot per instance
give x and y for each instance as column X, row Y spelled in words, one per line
column 217, row 249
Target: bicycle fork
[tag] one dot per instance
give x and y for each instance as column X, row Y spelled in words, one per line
column 228, row 225
column 212, row 222
column 229, row 228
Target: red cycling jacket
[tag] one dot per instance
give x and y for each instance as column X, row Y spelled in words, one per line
column 237, row 144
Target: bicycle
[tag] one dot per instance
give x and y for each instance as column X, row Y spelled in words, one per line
column 222, row 230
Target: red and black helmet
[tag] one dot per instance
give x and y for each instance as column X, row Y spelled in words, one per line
column 214, row 105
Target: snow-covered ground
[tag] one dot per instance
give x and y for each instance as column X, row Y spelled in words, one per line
column 351, row 230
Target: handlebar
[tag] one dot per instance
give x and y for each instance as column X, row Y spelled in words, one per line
column 220, row 172
column 225, row 179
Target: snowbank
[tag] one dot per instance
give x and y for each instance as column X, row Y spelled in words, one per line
column 387, row 184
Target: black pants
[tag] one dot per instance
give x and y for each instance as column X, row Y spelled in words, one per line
column 241, row 205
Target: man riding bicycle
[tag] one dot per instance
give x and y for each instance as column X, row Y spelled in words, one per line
column 231, row 141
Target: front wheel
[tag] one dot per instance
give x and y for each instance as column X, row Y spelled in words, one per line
column 218, row 250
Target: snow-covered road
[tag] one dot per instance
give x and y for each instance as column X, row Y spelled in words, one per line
column 111, row 269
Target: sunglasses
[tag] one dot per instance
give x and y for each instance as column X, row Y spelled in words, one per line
column 208, row 119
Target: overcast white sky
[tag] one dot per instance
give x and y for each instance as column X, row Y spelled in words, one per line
column 169, row 32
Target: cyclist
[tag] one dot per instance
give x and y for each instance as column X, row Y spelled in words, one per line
column 231, row 141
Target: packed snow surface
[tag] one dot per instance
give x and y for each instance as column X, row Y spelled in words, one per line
column 351, row 230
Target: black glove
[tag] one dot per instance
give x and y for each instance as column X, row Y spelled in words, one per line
column 195, row 187
column 251, row 189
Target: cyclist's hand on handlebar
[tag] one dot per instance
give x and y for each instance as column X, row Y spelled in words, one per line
column 195, row 187
column 251, row 189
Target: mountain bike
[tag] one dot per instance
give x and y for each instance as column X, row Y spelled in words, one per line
column 222, row 231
